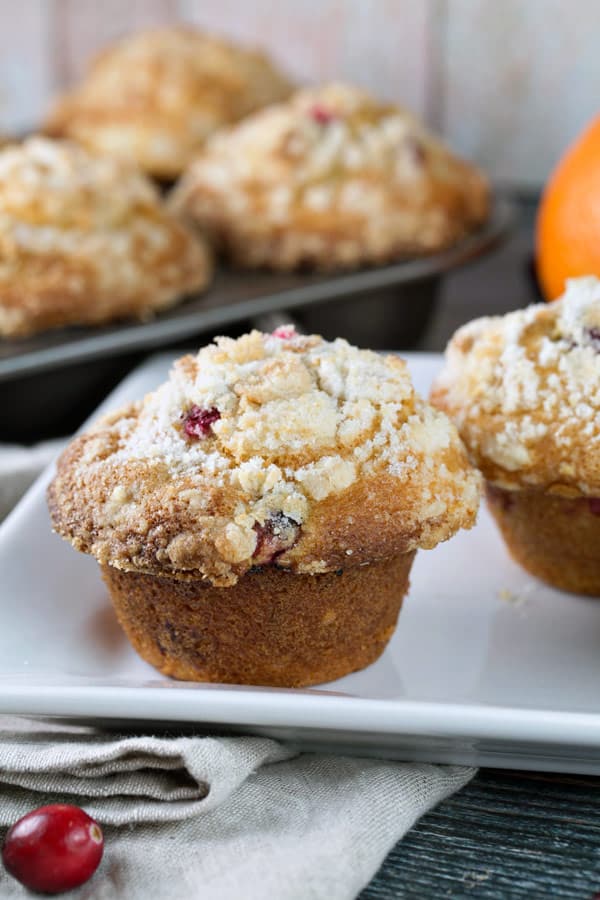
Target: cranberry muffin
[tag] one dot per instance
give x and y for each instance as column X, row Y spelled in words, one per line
column 524, row 392
column 256, row 517
column 154, row 97
column 330, row 179
column 85, row 240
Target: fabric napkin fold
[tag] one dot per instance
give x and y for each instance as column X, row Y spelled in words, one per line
column 126, row 780
column 209, row 818
column 218, row 817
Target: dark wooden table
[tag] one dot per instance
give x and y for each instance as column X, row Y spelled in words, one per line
column 507, row 835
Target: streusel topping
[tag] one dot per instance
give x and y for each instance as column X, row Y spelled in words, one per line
column 53, row 183
column 154, row 96
column 270, row 448
column 321, row 134
column 85, row 238
column 332, row 151
column 524, row 391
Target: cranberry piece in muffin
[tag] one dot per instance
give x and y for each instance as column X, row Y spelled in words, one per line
column 197, row 422
column 321, row 114
column 276, row 535
column 593, row 335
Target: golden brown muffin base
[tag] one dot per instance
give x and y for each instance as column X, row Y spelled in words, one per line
column 271, row 628
column 555, row 538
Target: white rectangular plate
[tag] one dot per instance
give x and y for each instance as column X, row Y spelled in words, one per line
column 487, row 665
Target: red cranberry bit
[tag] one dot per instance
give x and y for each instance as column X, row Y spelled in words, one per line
column 594, row 505
column 53, row 849
column 593, row 335
column 278, row 534
column 198, row 422
column 416, row 151
column 321, row 115
column 285, row 332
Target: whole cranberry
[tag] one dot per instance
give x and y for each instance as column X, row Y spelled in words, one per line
column 53, row 849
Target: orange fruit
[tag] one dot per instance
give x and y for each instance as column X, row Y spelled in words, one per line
column 568, row 223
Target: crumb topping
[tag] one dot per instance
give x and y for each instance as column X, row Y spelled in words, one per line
column 335, row 149
column 524, row 390
column 299, row 428
column 45, row 182
column 153, row 97
column 77, row 225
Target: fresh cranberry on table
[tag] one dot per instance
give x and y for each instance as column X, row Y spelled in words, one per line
column 198, row 422
column 53, row 849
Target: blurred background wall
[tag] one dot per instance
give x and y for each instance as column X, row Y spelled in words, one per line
column 508, row 82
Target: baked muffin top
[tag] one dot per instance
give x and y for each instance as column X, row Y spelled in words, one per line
column 524, row 391
column 85, row 239
column 271, row 449
column 331, row 177
column 155, row 96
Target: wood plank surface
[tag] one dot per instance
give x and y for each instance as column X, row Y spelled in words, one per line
column 506, row 836
column 382, row 45
column 509, row 84
column 516, row 81
column 83, row 27
column 26, row 63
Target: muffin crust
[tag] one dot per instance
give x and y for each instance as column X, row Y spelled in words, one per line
column 154, row 97
column 277, row 449
column 331, row 178
column 271, row 628
column 555, row 538
column 85, row 240
column 524, row 391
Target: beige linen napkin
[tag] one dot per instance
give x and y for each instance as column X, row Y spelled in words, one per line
column 210, row 818
column 218, row 818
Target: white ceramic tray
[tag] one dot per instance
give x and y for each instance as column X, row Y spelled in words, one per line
column 487, row 665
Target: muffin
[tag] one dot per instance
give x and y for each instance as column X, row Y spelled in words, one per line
column 154, row 97
column 330, row 179
column 84, row 240
column 524, row 392
column 256, row 517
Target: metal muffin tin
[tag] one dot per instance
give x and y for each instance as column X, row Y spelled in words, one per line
column 49, row 382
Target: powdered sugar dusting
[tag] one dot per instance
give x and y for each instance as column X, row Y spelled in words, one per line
column 154, row 96
column 331, row 156
column 293, row 400
column 295, row 421
column 85, row 239
column 525, row 388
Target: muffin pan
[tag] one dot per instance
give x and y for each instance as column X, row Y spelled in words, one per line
column 487, row 666
column 50, row 381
